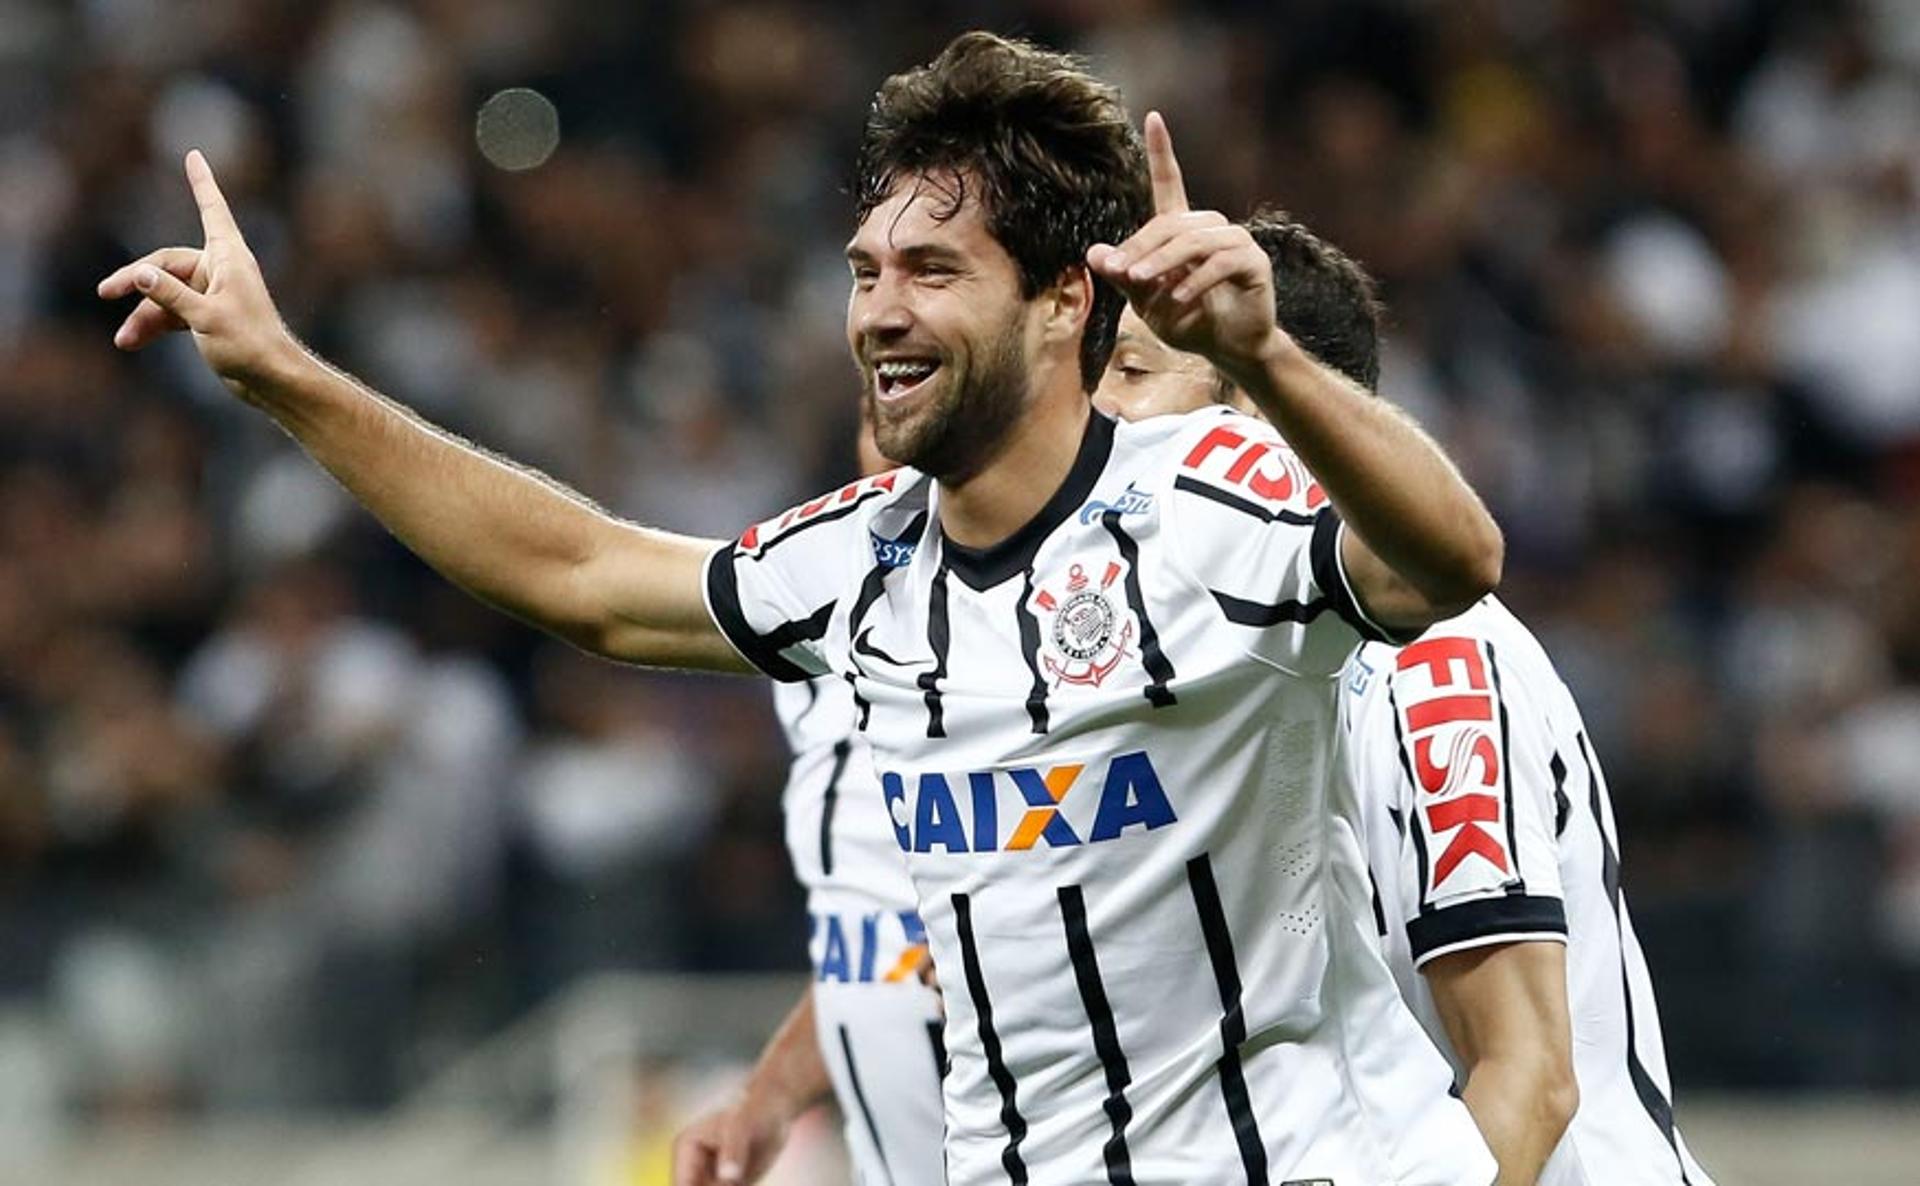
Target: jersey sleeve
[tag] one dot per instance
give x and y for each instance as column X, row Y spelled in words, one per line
column 773, row 591
column 1258, row 533
column 1475, row 799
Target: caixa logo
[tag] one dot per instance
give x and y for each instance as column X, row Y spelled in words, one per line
column 963, row 812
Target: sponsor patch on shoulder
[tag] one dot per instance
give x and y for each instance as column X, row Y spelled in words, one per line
column 892, row 553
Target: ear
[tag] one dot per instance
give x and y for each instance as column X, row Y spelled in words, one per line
column 1066, row 305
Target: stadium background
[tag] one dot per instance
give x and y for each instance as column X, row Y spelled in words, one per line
column 288, row 828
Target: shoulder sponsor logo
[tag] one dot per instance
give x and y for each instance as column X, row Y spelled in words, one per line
column 1258, row 465
column 1132, row 501
column 1448, row 715
column 960, row 812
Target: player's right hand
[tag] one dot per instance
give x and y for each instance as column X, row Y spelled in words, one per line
column 214, row 291
column 731, row 1146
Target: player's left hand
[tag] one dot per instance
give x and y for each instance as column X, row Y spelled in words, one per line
column 1195, row 277
column 731, row 1146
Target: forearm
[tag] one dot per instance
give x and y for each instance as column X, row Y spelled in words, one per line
column 1390, row 482
column 1522, row 1112
column 791, row 1074
column 503, row 533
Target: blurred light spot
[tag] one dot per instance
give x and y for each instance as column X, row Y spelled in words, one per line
column 517, row 129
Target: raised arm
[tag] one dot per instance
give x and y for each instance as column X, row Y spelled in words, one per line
column 1505, row 1011
column 1419, row 544
column 504, row 533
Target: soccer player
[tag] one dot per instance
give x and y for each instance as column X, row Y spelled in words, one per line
column 1485, row 815
column 867, row 1032
column 1097, row 664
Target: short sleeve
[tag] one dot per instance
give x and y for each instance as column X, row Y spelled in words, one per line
column 1479, row 855
column 1257, row 532
column 773, row 592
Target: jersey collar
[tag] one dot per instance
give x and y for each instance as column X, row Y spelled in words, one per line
column 983, row 568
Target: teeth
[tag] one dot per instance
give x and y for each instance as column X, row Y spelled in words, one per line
column 910, row 371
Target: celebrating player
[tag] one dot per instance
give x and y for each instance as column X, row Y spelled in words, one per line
column 868, row 1030
column 1487, row 821
column 1097, row 664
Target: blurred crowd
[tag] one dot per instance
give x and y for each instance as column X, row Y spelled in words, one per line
column 286, row 821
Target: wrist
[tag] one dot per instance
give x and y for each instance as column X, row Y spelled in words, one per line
column 1271, row 368
column 284, row 370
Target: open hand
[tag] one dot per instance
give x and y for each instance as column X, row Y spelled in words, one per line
column 1195, row 277
column 215, row 292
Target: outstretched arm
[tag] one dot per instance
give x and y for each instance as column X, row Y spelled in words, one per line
column 504, row 533
column 1420, row 546
column 1505, row 1011
column 739, row 1142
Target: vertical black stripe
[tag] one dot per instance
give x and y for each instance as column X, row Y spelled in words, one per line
column 1659, row 1109
column 1233, row 1022
column 1106, row 1036
column 937, row 1040
column 1416, row 827
column 841, row 750
column 1518, row 884
column 1030, row 650
column 866, row 1113
column 938, row 638
column 1562, row 806
column 1159, row 667
column 860, row 703
column 1015, row 1123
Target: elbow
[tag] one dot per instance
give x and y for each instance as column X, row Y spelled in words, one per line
column 1557, row 1096
column 1477, row 570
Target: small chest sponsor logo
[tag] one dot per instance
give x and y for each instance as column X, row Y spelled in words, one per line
column 892, row 553
column 1090, row 634
column 1132, row 501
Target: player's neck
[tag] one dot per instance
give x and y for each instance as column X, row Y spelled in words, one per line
column 1011, row 489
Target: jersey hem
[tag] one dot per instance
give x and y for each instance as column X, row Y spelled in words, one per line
column 1484, row 920
column 1347, row 602
column 1491, row 941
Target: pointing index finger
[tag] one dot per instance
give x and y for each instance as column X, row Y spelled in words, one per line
column 216, row 219
column 1169, row 189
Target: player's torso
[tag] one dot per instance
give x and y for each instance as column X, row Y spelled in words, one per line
column 876, row 1021
column 1116, row 824
column 1401, row 736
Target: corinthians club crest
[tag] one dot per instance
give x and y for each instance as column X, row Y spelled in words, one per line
column 1088, row 632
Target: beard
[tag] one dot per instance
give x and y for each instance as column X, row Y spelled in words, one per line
column 953, row 435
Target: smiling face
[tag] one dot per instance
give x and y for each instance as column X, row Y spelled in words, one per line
column 944, row 339
column 1146, row 377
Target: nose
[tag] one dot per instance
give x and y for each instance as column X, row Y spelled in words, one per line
column 881, row 311
column 1106, row 403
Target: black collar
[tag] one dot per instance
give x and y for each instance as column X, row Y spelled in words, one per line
column 983, row 568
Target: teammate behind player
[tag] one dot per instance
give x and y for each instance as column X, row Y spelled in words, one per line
column 1135, row 992
column 1486, row 818
column 867, row 1031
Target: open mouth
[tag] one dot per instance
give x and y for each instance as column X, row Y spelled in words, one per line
column 898, row 378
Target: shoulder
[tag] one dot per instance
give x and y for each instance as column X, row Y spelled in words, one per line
column 870, row 505
column 1235, row 462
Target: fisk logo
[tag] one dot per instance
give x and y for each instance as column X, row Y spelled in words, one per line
column 961, row 813
column 1259, row 465
column 1451, row 748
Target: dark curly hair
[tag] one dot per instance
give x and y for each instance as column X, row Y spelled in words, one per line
column 1322, row 298
column 1044, row 147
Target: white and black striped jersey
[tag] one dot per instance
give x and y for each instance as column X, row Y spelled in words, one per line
column 877, row 1022
column 1104, row 745
column 1487, row 821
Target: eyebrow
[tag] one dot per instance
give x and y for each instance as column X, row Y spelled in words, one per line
column 917, row 253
